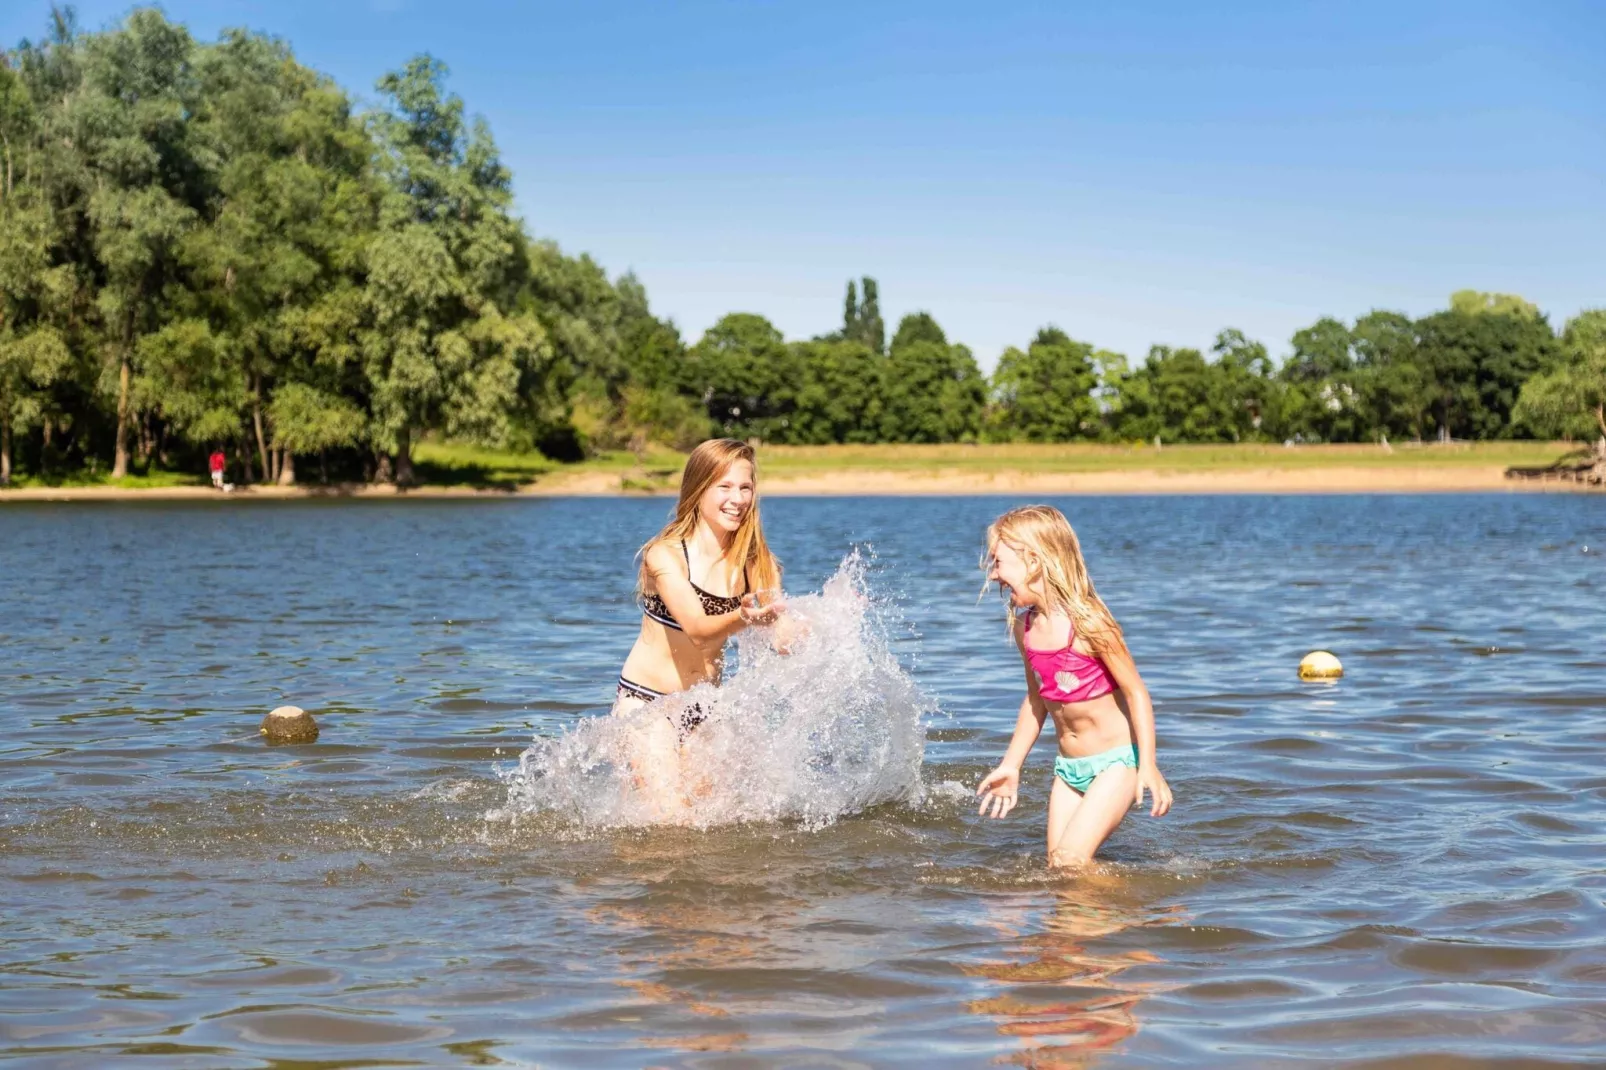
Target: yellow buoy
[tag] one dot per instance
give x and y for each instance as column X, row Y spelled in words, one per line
column 1320, row 665
column 290, row 724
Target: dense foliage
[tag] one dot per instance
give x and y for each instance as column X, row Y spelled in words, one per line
column 206, row 245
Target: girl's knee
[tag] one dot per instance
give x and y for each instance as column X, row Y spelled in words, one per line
column 1062, row 858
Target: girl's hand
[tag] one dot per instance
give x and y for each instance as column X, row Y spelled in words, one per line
column 754, row 614
column 1159, row 791
column 999, row 789
column 789, row 630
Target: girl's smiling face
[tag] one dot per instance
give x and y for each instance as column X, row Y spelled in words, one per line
column 1010, row 569
column 726, row 504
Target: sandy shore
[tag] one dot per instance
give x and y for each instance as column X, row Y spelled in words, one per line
column 1425, row 479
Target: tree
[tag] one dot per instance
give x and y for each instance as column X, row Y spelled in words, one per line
column 1177, row 395
column 1320, row 351
column 137, row 176
column 1387, row 374
column 746, row 376
column 290, row 208
column 862, row 323
column 1046, row 393
column 1569, row 399
column 933, row 391
column 654, row 403
column 1473, row 302
column 445, row 343
column 839, row 393
column 33, row 292
column 1474, row 364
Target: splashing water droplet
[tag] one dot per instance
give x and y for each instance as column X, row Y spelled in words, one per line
column 829, row 727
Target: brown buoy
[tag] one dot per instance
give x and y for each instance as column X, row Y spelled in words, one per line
column 289, row 724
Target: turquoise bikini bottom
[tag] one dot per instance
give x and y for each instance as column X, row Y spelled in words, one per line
column 1078, row 773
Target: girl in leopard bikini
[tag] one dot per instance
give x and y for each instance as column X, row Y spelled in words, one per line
column 699, row 582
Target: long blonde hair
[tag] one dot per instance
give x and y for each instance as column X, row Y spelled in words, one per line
column 707, row 463
column 1053, row 556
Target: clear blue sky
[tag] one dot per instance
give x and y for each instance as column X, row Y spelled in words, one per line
column 1134, row 173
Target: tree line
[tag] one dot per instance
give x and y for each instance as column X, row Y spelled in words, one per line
column 211, row 245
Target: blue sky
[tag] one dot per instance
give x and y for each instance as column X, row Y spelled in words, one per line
column 1133, row 173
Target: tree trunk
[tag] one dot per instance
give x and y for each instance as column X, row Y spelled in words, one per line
column 120, row 454
column 5, row 453
column 404, row 460
column 323, row 467
column 244, row 454
column 287, row 468
column 256, row 419
column 144, row 445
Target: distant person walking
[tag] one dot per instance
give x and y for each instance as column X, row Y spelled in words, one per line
column 217, row 463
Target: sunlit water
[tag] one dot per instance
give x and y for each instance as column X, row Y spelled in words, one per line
column 1403, row 868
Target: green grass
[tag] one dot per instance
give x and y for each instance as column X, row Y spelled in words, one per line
column 450, row 464
column 152, row 479
column 455, row 464
column 1088, row 457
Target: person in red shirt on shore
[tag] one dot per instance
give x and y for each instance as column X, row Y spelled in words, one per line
column 217, row 463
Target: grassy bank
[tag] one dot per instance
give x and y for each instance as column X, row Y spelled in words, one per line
column 449, row 468
column 1087, row 457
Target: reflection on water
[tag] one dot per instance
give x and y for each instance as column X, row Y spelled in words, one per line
column 1398, row 867
column 1063, row 993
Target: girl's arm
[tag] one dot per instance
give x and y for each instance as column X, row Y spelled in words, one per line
column 1001, row 787
column 1140, row 711
column 674, row 587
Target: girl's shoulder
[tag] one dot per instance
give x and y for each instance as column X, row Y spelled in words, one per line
column 661, row 554
column 1050, row 630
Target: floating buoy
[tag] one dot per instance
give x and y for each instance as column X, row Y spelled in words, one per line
column 289, row 724
column 1320, row 665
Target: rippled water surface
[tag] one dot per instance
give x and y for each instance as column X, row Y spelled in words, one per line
column 1405, row 868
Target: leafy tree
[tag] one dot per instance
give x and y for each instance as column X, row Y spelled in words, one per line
column 1174, row 396
column 1320, row 351
column 862, row 323
column 445, row 344
column 1110, row 370
column 1387, row 374
column 1046, row 393
column 1473, row 302
column 933, row 391
column 1474, row 363
column 33, row 292
column 136, row 177
column 1569, row 400
column 839, row 393
column 918, row 327
column 291, row 207
column 746, row 375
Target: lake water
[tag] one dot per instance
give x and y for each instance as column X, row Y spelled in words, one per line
column 1405, row 868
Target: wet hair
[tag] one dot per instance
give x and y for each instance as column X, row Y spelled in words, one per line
column 1054, row 564
column 748, row 550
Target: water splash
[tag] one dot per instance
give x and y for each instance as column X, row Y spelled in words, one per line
column 830, row 727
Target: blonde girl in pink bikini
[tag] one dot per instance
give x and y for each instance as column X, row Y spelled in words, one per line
column 1079, row 672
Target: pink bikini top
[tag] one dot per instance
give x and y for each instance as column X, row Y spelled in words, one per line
column 1064, row 675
